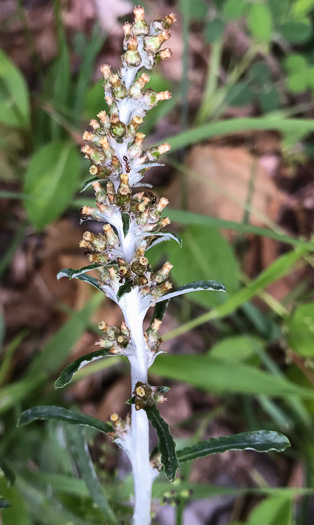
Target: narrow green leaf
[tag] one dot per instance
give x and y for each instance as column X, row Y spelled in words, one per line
column 51, row 181
column 160, row 310
column 69, row 372
column 224, row 127
column 216, row 375
column 260, row 441
column 74, row 274
column 167, row 446
column 279, row 268
column 11, row 249
column 126, row 223
column 165, row 236
column 42, row 503
column 77, row 274
column 84, row 461
column 193, row 287
column 206, row 253
column 62, row 414
column 14, row 96
column 90, row 181
column 124, row 288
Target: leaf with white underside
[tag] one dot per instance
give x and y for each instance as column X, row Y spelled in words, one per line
column 81, row 275
column 91, row 181
column 79, row 446
column 161, row 237
column 62, row 414
column 194, row 287
column 160, row 310
column 167, row 446
column 260, row 441
column 69, row 372
column 74, row 274
column 124, row 288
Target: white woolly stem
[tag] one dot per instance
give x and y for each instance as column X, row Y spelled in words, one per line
column 143, row 473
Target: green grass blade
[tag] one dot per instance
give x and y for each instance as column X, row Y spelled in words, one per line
column 218, row 376
column 188, row 218
column 224, row 127
column 84, row 461
column 260, row 441
column 278, row 269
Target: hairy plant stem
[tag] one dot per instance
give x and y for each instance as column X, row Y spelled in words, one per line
column 143, row 473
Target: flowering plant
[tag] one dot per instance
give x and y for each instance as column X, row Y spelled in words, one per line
column 133, row 224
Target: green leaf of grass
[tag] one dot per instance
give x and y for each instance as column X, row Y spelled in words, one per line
column 80, row 449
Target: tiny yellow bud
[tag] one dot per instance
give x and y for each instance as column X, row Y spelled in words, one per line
column 104, row 143
column 163, row 148
column 94, row 124
column 162, row 203
column 132, row 43
column 127, row 28
column 114, row 417
column 93, row 170
column 163, row 95
column 156, row 324
column 164, row 222
column 105, row 70
column 103, row 117
column 140, row 391
column 165, row 53
column 138, row 13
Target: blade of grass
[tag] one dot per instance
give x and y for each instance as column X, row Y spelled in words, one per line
column 9, row 254
column 80, row 448
column 226, row 127
column 278, row 269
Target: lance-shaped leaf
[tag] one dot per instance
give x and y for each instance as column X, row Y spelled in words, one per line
column 124, row 288
column 195, row 286
column 167, row 446
column 62, row 414
column 80, row 448
column 74, row 274
column 260, row 441
column 164, row 236
column 69, row 372
column 125, row 223
column 81, row 275
column 91, row 181
column 160, row 310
